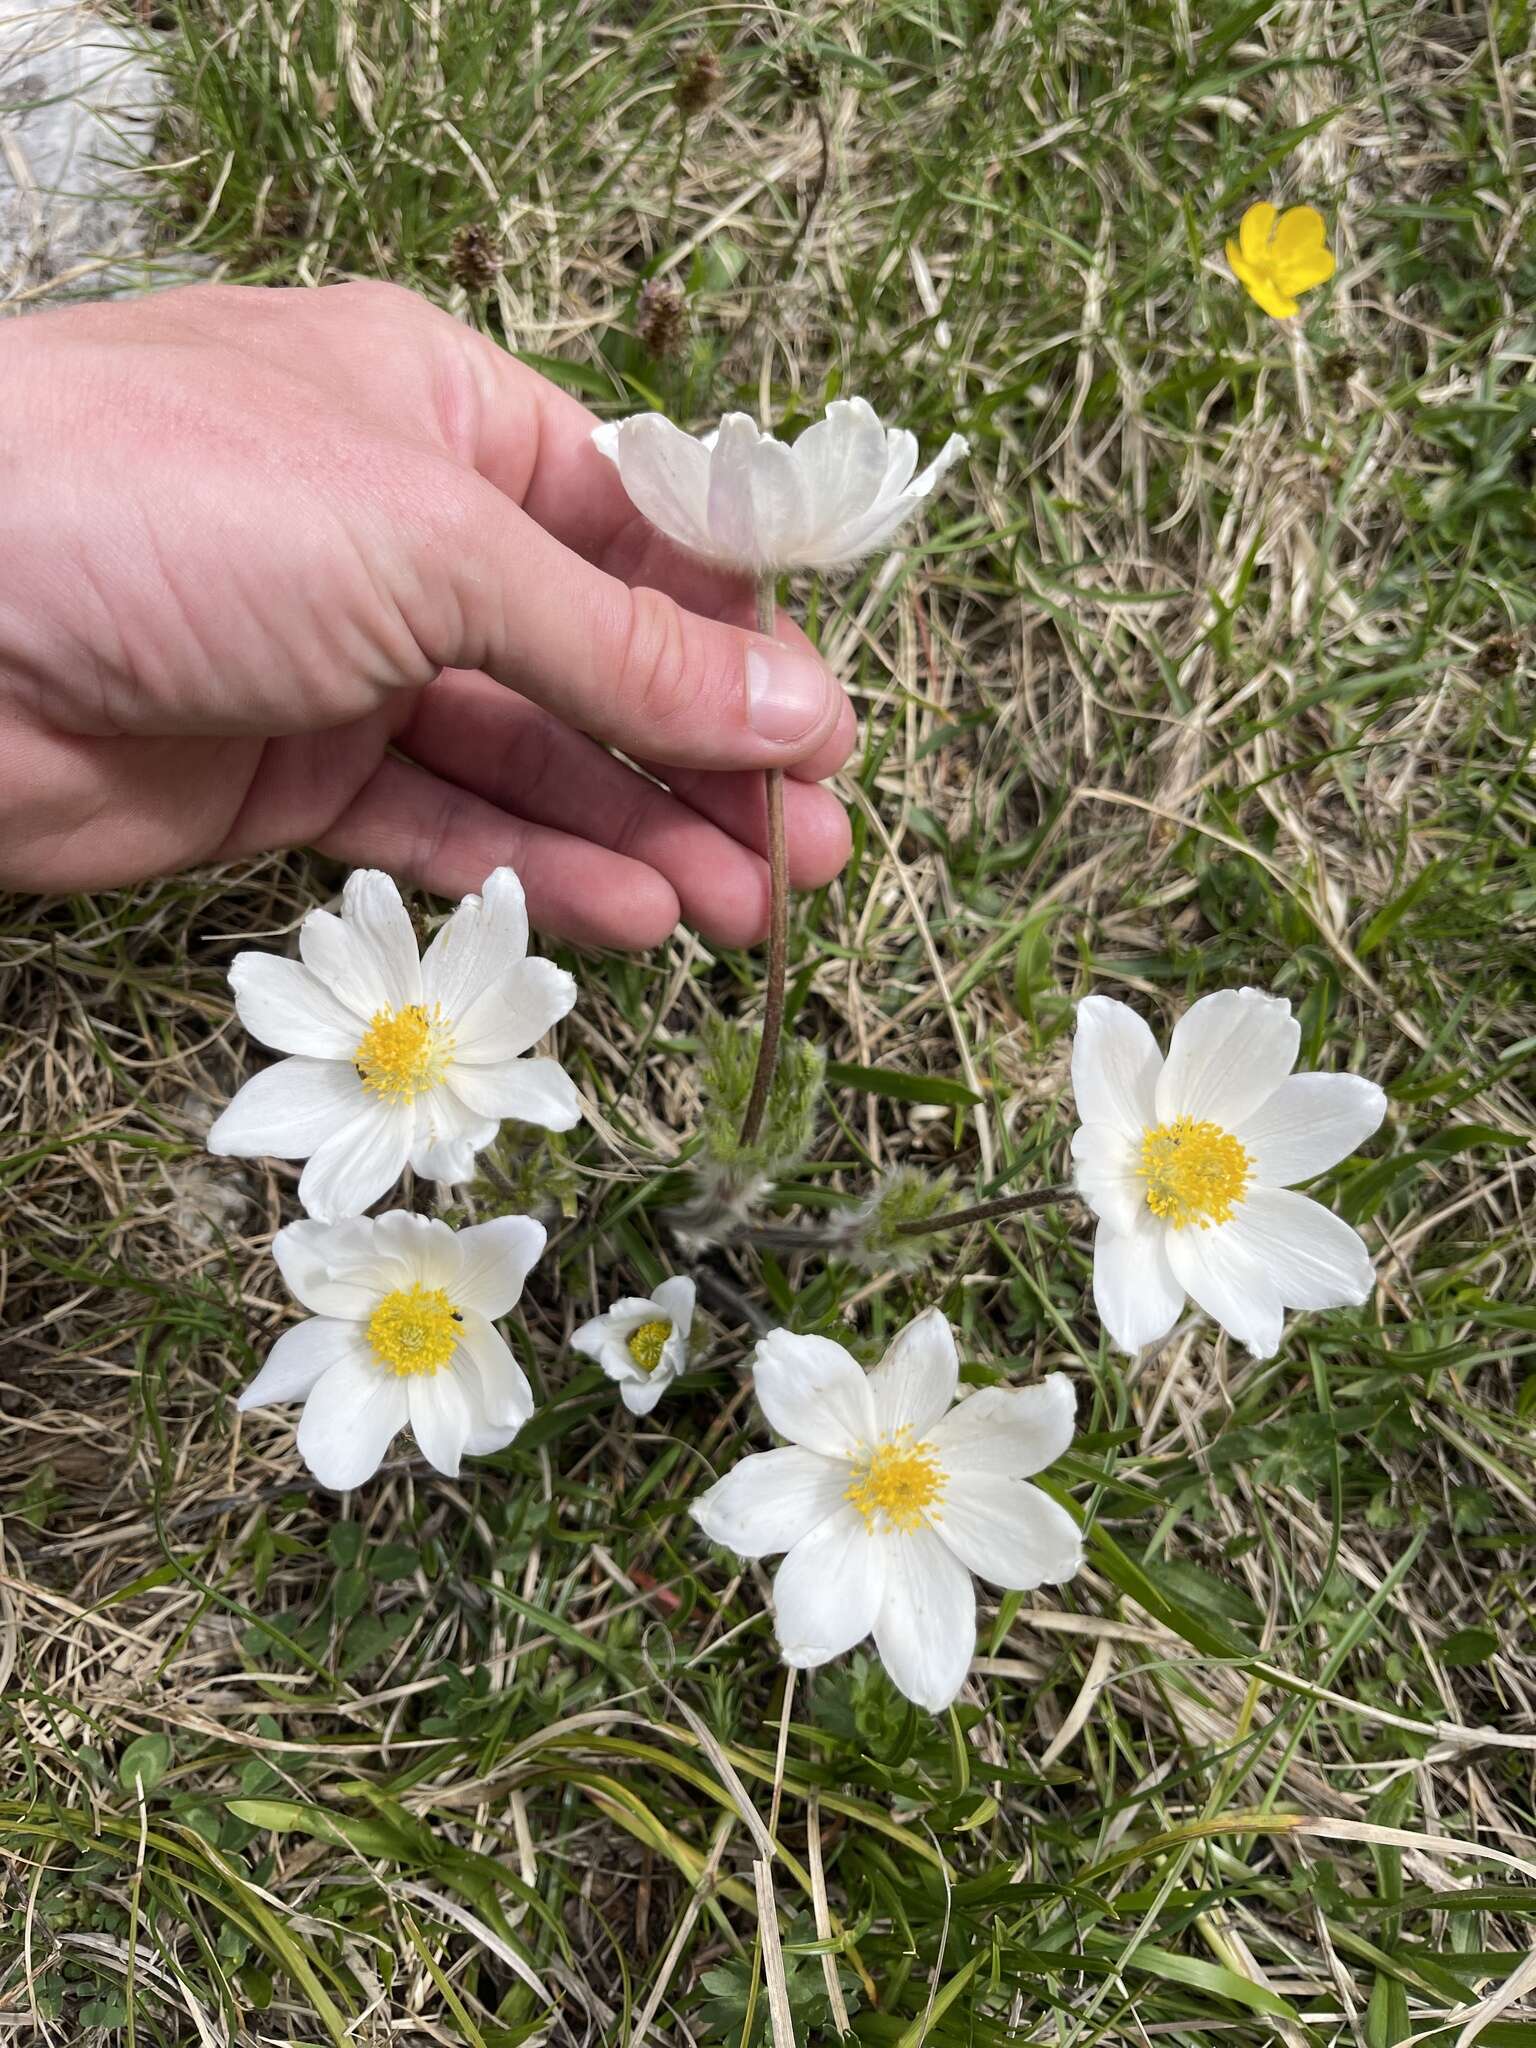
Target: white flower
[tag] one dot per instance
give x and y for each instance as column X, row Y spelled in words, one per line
column 400, row 1332
column 740, row 498
column 642, row 1344
column 888, row 1498
column 1188, row 1163
column 397, row 1059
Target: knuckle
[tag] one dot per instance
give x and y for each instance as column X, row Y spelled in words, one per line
column 374, row 294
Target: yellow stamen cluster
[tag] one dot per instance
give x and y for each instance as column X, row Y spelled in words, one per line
column 897, row 1482
column 404, row 1051
column 1195, row 1173
column 414, row 1330
column 646, row 1344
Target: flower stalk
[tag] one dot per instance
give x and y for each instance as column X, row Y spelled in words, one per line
column 778, row 912
column 987, row 1212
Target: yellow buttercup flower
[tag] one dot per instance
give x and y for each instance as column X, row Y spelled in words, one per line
column 1277, row 255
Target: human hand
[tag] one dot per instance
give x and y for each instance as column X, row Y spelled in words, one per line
column 328, row 568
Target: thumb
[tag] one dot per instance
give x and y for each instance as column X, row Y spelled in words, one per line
column 630, row 666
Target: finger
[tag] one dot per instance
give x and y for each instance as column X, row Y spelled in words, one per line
column 485, row 588
column 446, row 840
column 816, row 830
column 472, row 732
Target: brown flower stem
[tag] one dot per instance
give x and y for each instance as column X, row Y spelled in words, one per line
column 987, row 1212
column 778, row 913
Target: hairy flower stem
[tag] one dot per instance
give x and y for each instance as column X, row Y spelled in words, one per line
column 987, row 1212
column 836, row 1237
column 778, row 913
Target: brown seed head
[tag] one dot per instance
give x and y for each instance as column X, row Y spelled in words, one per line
column 662, row 319
column 473, row 259
column 802, row 75
column 700, row 79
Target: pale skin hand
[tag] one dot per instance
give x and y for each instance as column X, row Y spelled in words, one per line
column 327, row 568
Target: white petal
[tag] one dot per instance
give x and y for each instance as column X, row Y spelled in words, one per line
column 485, row 936
column 495, row 1260
column 534, row 1091
column 769, row 1501
column 626, row 1315
column 609, row 1350
column 284, row 1005
column 514, row 1012
column 484, row 1434
column 447, row 1136
column 309, row 1254
column 339, row 960
column 1218, row 1270
column 780, row 513
column 926, row 1628
column 1228, row 1054
column 289, row 1110
column 1310, row 1123
column 425, row 1248
column 1115, row 1065
column 505, row 1395
column 1104, row 1163
column 358, row 1163
column 640, row 1396
column 922, row 485
column 900, row 463
column 843, row 461
column 887, row 516
column 814, row 1393
column 1313, row 1257
column 666, row 474
column 1134, row 1288
column 440, row 1419
column 298, row 1358
column 827, row 1592
column 676, row 1298
column 915, row 1382
column 732, row 523
column 1008, row 1432
column 1010, row 1533
column 371, row 907
column 349, row 1422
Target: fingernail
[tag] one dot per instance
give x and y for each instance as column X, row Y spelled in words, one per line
column 786, row 692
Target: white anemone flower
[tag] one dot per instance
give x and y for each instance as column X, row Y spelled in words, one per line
column 742, row 499
column 396, row 1059
column 1189, row 1163
column 643, row 1344
column 400, row 1331
column 888, row 1497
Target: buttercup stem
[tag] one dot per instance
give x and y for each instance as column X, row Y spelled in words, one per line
column 778, row 913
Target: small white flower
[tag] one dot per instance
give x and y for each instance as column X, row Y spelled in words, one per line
column 888, row 1498
column 400, row 1332
column 642, row 1344
column 396, row 1059
column 1189, row 1163
column 740, row 498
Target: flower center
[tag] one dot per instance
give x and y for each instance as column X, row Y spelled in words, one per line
column 646, row 1344
column 414, row 1330
column 898, row 1481
column 404, row 1051
column 1195, row 1173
